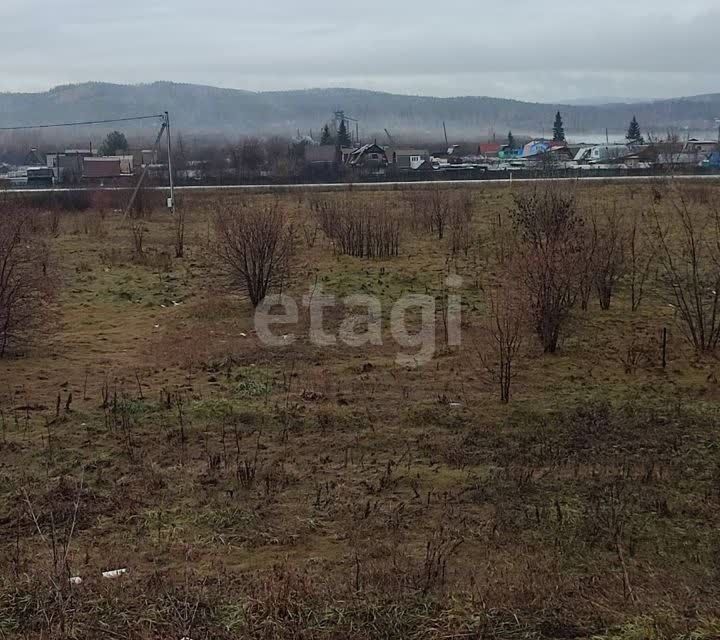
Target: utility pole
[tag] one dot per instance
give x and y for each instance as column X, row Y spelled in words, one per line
column 445, row 132
column 171, row 199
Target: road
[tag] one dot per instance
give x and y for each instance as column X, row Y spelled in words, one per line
column 373, row 186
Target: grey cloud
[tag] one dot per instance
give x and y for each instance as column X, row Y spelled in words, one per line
column 524, row 49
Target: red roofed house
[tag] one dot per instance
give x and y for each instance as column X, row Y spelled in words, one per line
column 490, row 149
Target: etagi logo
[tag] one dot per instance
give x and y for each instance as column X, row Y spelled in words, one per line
column 413, row 319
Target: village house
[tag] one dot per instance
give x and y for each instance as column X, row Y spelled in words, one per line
column 408, row 159
column 325, row 154
column 369, row 159
column 491, row 149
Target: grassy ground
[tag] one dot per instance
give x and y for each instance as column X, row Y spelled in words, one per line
column 330, row 493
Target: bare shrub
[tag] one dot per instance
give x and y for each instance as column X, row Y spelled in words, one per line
column 642, row 252
column 179, row 230
column 461, row 238
column 137, row 231
column 588, row 239
column 501, row 238
column 26, row 282
column 637, row 351
column 439, row 209
column 502, row 333
column 548, row 252
column 372, row 231
column 254, row 246
column 54, row 223
column 90, row 223
column 417, row 206
column 689, row 260
column 609, row 255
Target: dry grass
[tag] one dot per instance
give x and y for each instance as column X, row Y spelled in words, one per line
column 329, row 493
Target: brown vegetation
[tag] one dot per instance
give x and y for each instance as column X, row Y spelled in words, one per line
column 26, row 279
column 321, row 493
column 549, row 255
column 254, row 246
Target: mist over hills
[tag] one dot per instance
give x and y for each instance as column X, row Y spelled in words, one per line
column 230, row 112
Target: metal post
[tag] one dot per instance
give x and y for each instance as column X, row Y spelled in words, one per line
column 171, row 202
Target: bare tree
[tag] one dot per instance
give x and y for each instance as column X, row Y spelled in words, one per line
column 252, row 155
column 641, row 256
column 27, row 282
column 137, row 230
column 440, row 207
column 547, row 257
column 689, row 261
column 586, row 265
column 461, row 225
column 254, row 246
column 503, row 331
column 179, row 230
column 609, row 263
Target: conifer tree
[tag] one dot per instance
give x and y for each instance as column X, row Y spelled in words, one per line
column 558, row 129
column 326, row 137
column 343, row 137
column 633, row 135
column 511, row 141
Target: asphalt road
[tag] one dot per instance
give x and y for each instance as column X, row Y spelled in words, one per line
column 373, row 186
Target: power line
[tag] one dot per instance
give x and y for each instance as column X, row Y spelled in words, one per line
column 78, row 124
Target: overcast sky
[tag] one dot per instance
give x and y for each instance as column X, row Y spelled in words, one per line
column 526, row 49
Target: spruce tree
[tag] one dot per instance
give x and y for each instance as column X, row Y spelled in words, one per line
column 343, row 137
column 114, row 142
column 326, row 137
column 511, row 141
column 558, row 129
column 633, row 135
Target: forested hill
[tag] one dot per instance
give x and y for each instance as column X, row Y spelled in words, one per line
column 202, row 109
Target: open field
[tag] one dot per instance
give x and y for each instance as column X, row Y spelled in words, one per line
column 330, row 492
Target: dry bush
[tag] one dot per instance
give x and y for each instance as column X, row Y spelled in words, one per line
column 254, row 246
column 461, row 236
column 689, row 260
column 440, row 206
column 438, row 210
column 588, row 239
column 503, row 332
column 642, row 253
column 549, row 254
column 501, row 238
column 137, row 233
column 609, row 255
column 372, row 231
column 68, row 201
column 104, row 201
column 416, row 201
column 639, row 351
column 27, row 281
column 91, row 224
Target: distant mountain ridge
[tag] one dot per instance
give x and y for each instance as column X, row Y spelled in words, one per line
column 234, row 112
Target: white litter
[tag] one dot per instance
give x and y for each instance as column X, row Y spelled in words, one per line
column 243, row 335
column 76, row 580
column 114, row 574
column 456, row 405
